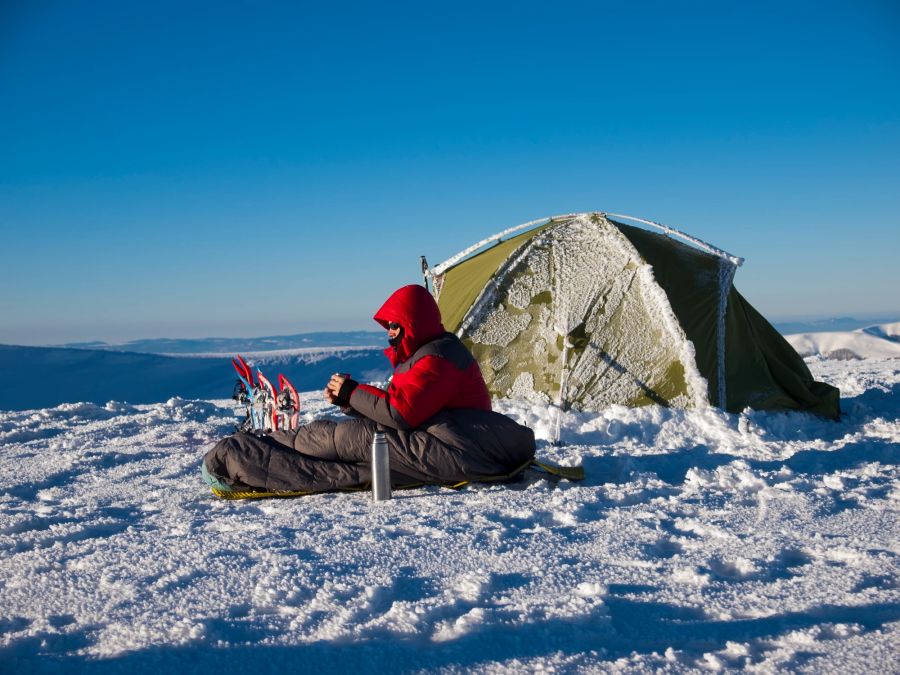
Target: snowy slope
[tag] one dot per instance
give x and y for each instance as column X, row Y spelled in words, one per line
column 888, row 331
column 700, row 540
column 872, row 342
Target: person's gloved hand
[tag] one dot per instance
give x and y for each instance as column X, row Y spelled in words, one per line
column 339, row 389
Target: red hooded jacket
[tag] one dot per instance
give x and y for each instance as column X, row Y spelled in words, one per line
column 433, row 370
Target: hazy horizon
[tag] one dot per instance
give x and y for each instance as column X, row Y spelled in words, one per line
column 862, row 318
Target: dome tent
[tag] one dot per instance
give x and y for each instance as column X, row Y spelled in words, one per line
column 586, row 311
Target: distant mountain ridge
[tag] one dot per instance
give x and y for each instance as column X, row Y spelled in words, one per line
column 871, row 342
column 831, row 325
column 150, row 371
column 227, row 346
column 49, row 376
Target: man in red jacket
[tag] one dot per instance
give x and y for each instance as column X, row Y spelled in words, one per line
column 433, row 370
column 436, row 415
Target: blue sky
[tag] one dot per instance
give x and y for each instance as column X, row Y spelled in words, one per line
column 188, row 169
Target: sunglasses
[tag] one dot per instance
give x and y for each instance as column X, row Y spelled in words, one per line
column 394, row 326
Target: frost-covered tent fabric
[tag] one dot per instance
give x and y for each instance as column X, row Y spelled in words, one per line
column 587, row 311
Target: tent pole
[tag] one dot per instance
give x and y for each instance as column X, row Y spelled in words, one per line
column 561, row 397
column 699, row 243
column 425, row 271
column 726, row 277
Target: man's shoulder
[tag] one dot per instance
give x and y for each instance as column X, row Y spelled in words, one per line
column 446, row 346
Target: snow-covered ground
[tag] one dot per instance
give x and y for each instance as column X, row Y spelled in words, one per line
column 700, row 540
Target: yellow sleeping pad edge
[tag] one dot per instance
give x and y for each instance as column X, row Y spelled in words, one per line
column 567, row 472
column 573, row 473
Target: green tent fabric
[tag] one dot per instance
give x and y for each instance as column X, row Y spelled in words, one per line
column 586, row 311
column 764, row 372
column 467, row 281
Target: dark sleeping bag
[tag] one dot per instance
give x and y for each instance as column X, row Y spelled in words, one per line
column 453, row 446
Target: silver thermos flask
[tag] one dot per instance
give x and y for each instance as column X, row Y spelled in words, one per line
column 381, row 468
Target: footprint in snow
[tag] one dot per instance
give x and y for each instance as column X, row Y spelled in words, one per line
column 666, row 547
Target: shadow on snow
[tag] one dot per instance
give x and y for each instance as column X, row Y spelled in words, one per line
column 620, row 628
